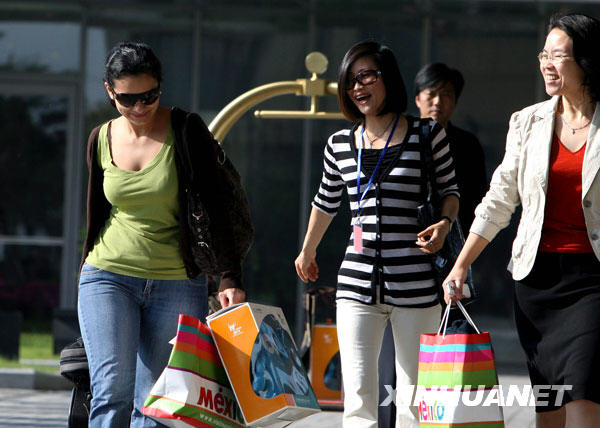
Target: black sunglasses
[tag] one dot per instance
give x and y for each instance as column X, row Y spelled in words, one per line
column 365, row 78
column 129, row 100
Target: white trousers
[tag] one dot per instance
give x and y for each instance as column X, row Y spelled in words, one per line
column 360, row 334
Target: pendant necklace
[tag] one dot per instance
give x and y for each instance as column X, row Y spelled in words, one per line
column 371, row 141
column 575, row 129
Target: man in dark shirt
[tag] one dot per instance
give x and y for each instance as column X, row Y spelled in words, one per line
column 437, row 88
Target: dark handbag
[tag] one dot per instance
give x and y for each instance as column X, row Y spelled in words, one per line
column 199, row 222
column 223, row 239
column 428, row 213
column 218, row 214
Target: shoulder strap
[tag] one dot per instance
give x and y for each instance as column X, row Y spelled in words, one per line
column 429, row 184
column 197, row 156
column 178, row 123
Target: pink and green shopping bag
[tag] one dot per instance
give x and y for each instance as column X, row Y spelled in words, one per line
column 193, row 389
column 458, row 382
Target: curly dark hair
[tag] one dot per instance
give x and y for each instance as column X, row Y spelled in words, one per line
column 584, row 31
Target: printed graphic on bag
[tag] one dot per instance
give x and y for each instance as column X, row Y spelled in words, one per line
column 453, row 371
column 262, row 363
column 193, row 389
column 333, row 373
column 275, row 369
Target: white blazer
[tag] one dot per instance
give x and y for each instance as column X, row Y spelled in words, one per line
column 522, row 178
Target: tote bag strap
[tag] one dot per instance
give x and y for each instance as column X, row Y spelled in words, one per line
column 444, row 322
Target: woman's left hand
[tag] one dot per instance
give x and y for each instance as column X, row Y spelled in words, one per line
column 231, row 296
column 431, row 240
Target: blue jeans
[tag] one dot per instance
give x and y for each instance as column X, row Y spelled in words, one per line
column 126, row 324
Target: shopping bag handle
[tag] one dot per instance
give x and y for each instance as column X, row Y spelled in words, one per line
column 444, row 322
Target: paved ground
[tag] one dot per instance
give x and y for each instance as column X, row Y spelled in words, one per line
column 24, row 408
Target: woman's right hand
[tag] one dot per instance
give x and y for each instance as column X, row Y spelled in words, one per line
column 306, row 266
column 454, row 284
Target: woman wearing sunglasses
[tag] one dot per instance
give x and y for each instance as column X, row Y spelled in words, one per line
column 550, row 168
column 386, row 272
column 138, row 273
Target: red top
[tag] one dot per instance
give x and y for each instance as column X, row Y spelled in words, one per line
column 564, row 228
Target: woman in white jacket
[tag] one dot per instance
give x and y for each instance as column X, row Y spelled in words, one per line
column 551, row 168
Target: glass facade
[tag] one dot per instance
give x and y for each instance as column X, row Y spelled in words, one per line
column 38, row 46
column 51, row 65
column 33, row 133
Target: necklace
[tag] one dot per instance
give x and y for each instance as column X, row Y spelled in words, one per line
column 372, row 140
column 571, row 128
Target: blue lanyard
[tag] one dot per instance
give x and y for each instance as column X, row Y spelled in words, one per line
column 361, row 196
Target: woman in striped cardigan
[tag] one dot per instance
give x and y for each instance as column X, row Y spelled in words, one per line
column 386, row 272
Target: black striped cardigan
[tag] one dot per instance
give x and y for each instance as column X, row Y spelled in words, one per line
column 390, row 257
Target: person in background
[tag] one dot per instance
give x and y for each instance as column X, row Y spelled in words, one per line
column 386, row 273
column 138, row 272
column 551, row 168
column 437, row 89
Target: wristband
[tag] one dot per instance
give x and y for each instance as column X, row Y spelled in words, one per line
column 445, row 217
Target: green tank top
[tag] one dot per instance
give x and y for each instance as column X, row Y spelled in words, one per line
column 141, row 236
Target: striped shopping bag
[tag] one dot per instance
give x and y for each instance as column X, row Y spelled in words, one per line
column 193, row 390
column 458, row 382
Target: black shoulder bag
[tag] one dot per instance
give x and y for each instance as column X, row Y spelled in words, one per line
column 222, row 239
column 429, row 213
column 218, row 214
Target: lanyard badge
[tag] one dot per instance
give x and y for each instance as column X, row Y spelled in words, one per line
column 357, row 225
column 357, row 237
